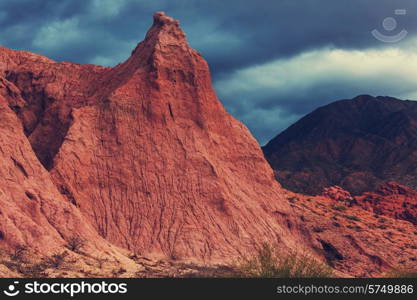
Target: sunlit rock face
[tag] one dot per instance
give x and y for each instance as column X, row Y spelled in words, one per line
column 142, row 154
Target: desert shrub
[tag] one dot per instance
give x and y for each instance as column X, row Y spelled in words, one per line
column 318, row 229
column 100, row 262
column 401, row 273
column 353, row 218
column 267, row 263
column 56, row 260
column 117, row 272
column 339, row 207
column 75, row 243
column 18, row 253
column 292, row 199
column 36, row 270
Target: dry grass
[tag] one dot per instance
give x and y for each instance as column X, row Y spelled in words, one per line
column 401, row 273
column 267, row 263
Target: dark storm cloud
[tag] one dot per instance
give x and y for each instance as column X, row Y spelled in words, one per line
column 232, row 35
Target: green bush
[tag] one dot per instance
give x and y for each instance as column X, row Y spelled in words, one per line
column 266, row 263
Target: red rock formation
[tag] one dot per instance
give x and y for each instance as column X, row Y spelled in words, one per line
column 391, row 199
column 145, row 156
column 353, row 240
column 338, row 194
column 32, row 211
column 144, row 150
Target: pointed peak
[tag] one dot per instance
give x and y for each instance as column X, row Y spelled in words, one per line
column 165, row 30
column 160, row 18
column 165, row 25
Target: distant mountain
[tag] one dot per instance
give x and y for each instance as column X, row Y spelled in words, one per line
column 357, row 144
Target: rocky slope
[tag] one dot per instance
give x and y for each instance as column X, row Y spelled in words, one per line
column 142, row 155
column 356, row 144
column 390, row 199
column 355, row 241
column 33, row 211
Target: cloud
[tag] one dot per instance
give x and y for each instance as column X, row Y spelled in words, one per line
column 58, row 34
column 107, row 8
column 271, row 61
column 283, row 89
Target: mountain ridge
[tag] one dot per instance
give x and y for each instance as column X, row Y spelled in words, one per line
column 357, row 144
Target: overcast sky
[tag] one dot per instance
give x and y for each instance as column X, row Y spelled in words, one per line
column 272, row 61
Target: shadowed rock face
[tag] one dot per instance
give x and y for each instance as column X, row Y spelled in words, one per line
column 356, row 144
column 33, row 213
column 144, row 150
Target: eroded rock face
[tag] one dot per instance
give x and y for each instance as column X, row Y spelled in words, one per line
column 356, row 241
column 145, row 151
column 338, row 194
column 32, row 211
column 391, row 199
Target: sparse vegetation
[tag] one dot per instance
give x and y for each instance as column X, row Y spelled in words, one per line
column 401, row 273
column 100, row 262
column 358, row 229
column 318, row 229
column 56, row 260
column 267, row 263
column 339, row 207
column 75, row 244
column 292, row 199
column 36, row 270
column 353, row 218
column 117, row 272
column 18, row 253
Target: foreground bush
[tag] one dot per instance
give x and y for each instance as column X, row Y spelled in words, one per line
column 267, row 263
column 401, row 273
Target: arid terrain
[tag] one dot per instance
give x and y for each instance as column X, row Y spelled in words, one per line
column 139, row 171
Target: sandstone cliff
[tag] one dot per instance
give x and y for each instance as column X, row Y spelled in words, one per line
column 143, row 152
